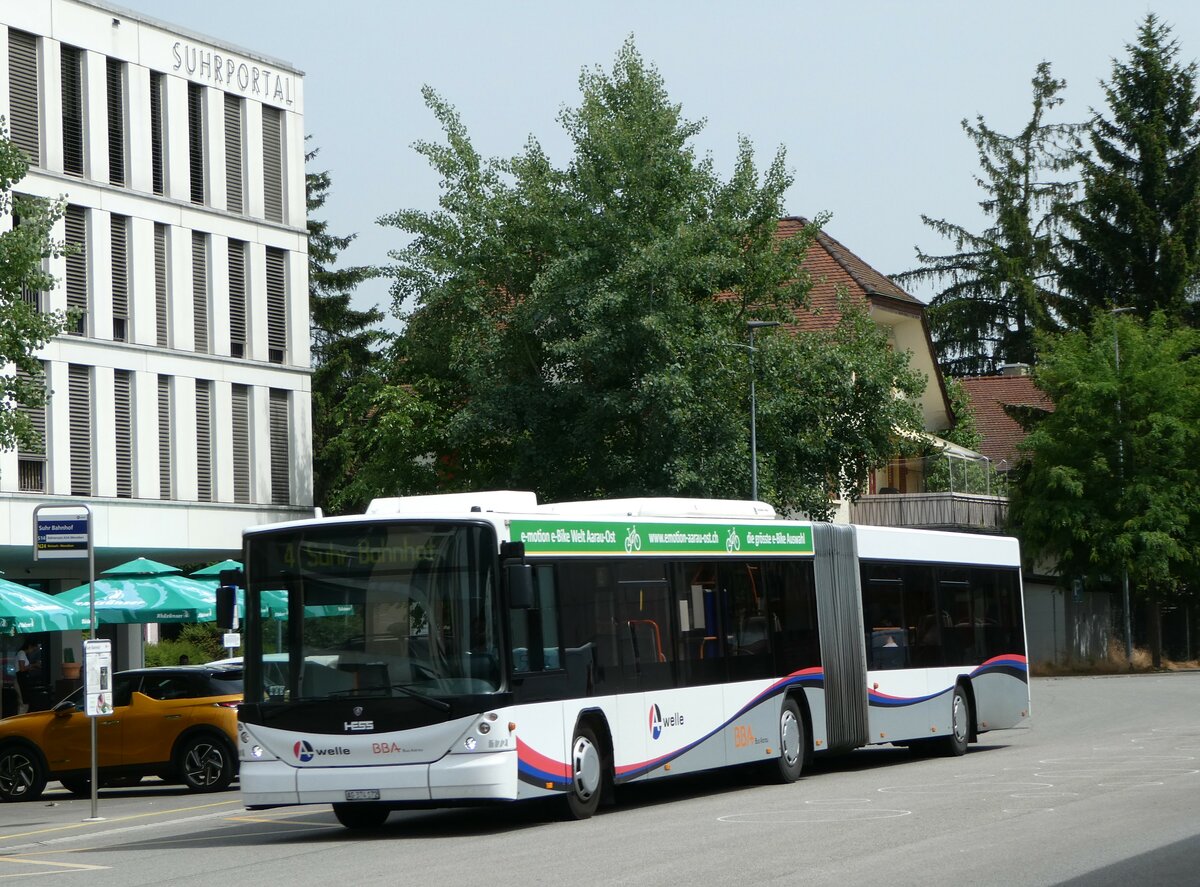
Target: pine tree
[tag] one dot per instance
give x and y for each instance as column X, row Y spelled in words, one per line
column 1001, row 281
column 1136, row 232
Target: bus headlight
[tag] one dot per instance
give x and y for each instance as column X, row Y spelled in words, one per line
column 470, row 743
column 256, row 750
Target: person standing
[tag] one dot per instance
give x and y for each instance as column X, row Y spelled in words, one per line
column 29, row 663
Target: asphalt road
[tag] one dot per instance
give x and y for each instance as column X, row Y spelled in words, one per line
column 1102, row 789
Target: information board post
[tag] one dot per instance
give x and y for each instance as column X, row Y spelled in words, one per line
column 68, row 534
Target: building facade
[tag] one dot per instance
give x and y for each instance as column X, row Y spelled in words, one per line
column 179, row 405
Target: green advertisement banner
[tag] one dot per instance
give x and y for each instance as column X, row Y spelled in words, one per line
column 552, row 536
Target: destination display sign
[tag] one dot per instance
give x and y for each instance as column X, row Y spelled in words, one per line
column 551, row 536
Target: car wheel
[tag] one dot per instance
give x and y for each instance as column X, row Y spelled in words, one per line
column 80, row 786
column 361, row 816
column 206, row 764
column 22, row 775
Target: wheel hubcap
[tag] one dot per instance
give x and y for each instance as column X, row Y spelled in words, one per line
column 789, row 737
column 959, row 720
column 16, row 775
column 204, row 764
column 586, row 761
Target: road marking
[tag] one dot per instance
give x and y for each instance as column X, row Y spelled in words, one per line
column 108, row 822
column 60, row 867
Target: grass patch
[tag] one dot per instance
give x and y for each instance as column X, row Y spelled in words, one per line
column 1116, row 662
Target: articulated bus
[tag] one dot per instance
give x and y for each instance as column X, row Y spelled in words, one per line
column 474, row 648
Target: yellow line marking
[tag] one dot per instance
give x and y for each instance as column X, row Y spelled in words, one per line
column 272, row 820
column 109, row 822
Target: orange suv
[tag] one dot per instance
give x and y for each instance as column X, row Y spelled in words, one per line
column 178, row 723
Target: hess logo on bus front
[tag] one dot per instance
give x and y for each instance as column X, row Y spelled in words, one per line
column 658, row 723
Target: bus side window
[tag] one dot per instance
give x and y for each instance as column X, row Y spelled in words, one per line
column 535, row 643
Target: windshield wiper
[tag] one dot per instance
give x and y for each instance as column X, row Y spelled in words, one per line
column 422, row 697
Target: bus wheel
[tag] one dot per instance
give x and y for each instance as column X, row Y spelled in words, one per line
column 787, row 768
column 955, row 744
column 361, row 816
column 583, row 796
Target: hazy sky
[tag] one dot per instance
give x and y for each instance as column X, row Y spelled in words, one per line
column 866, row 97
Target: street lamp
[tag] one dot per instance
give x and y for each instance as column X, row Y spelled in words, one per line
column 753, row 325
column 1121, row 479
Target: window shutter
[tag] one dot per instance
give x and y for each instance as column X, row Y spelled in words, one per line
column 123, row 414
column 116, row 122
column 276, row 305
column 72, row 110
column 160, row 284
column 204, row 442
column 272, row 164
column 31, row 459
column 156, row 132
column 164, row 437
column 200, row 290
column 196, row 141
column 237, row 298
column 233, row 154
column 77, row 283
column 31, row 296
column 120, row 276
column 280, row 457
column 79, row 391
column 240, row 427
column 24, row 120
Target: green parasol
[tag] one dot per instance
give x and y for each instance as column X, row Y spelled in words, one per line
column 143, row 590
column 25, row 611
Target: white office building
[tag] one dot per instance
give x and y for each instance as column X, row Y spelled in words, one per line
column 179, row 406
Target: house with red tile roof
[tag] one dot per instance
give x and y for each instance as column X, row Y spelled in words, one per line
column 990, row 395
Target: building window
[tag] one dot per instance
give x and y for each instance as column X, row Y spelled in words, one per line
column 160, row 285
column 237, row 298
column 114, row 71
column 200, row 290
column 281, row 460
column 240, row 428
column 76, row 276
column 276, row 305
column 156, row 132
column 29, row 295
column 120, row 277
column 234, row 189
column 204, row 441
column 23, row 115
column 72, row 110
column 79, row 391
column 123, row 431
column 196, row 141
column 164, row 437
column 272, row 125
column 31, row 458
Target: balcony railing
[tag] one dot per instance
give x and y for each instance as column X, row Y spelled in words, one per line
column 964, row 512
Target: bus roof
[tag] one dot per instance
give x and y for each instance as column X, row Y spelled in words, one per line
column 525, row 503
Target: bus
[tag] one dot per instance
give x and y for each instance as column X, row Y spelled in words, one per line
column 481, row 647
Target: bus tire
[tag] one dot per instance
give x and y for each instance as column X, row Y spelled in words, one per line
column 587, row 774
column 361, row 816
column 955, row 745
column 793, row 738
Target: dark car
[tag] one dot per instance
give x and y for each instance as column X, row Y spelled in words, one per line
column 177, row 723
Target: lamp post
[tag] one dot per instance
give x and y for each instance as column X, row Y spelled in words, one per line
column 1121, row 480
column 753, row 325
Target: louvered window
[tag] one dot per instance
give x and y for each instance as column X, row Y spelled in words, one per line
column 79, row 388
column 31, row 297
column 164, row 437
column 23, row 115
column 280, row 456
column 123, row 431
column 77, row 282
column 72, row 110
column 116, row 121
column 237, row 298
column 200, row 290
column 276, row 304
column 240, row 428
column 233, row 154
column 196, row 141
column 31, row 457
column 120, row 277
column 160, row 285
column 272, row 163
column 204, row 441
column 156, row 132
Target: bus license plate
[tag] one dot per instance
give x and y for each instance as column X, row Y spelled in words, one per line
column 362, row 794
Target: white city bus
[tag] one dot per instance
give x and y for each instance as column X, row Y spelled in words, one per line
column 473, row 648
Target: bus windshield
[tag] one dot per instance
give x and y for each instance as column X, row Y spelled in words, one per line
column 386, row 609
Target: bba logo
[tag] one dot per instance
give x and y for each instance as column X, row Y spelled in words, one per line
column 303, row 751
column 658, row 723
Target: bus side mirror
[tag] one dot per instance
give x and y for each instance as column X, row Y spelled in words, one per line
column 520, row 586
column 226, row 606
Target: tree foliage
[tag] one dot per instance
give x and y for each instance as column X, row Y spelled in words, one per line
column 1000, row 283
column 1112, row 482
column 344, row 350
column 580, row 331
column 1135, row 237
column 24, row 249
